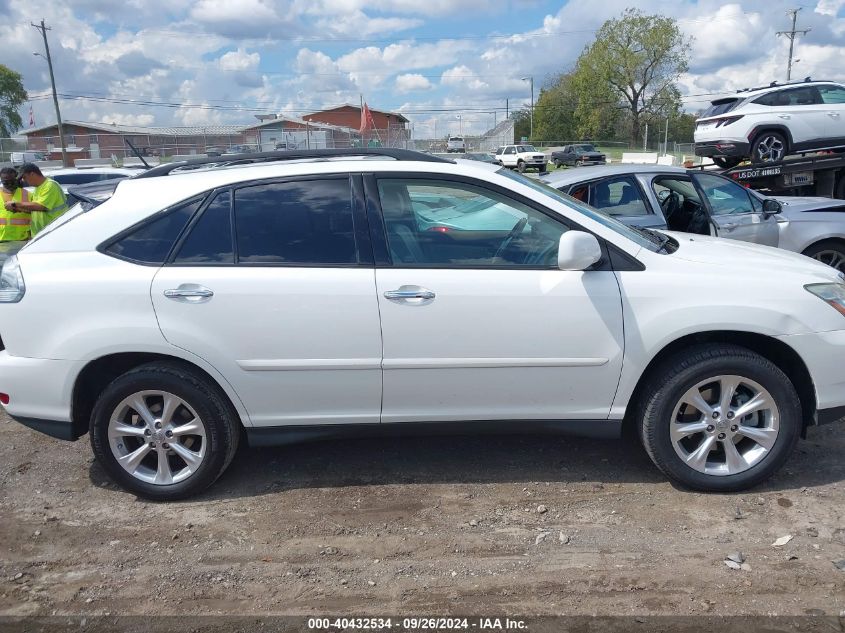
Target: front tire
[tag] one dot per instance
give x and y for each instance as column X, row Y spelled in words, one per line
column 828, row 252
column 163, row 431
column 768, row 148
column 520, row 167
column 719, row 418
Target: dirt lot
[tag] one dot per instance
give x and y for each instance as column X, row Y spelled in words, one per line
column 508, row 525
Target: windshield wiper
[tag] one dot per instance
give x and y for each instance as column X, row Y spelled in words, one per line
column 659, row 238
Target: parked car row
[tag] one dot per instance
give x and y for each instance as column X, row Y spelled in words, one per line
column 411, row 293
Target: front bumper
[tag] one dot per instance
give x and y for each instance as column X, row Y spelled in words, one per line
column 723, row 148
column 823, row 353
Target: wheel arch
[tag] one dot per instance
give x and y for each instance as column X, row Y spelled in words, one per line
column 776, row 351
column 98, row 373
column 773, row 127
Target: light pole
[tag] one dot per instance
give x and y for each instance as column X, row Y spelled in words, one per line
column 531, row 112
column 43, row 28
column 460, row 124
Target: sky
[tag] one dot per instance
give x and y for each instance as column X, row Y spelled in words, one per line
column 449, row 66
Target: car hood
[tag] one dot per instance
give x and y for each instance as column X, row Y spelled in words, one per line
column 801, row 204
column 733, row 254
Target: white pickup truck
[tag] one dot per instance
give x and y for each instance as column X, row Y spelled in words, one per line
column 522, row 157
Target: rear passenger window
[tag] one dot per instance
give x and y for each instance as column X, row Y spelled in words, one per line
column 210, row 239
column 307, row 223
column 151, row 242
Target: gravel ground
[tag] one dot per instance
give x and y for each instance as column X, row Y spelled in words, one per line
column 508, row 525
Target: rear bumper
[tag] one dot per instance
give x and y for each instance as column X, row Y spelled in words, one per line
column 40, row 393
column 723, row 148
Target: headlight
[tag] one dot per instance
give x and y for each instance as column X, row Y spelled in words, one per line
column 833, row 294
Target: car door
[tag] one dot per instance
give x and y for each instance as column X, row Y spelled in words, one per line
column 478, row 322
column 833, row 98
column 273, row 284
column 623, row 198
column 509, row 156
column 734, row 212
column 801, row 111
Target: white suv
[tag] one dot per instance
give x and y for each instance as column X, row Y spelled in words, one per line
column 767, row 124
column 522, row 157
column 335, row 294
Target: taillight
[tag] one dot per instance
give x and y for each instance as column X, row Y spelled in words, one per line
column 439, row 229
column 728, row 120
column 12, row 287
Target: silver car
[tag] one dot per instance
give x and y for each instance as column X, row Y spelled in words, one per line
column 695, row 201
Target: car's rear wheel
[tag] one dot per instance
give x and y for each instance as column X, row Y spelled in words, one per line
column 726, row 162
column 719, row 418
column 769, row 147
column 163, row 431
column 828, row 252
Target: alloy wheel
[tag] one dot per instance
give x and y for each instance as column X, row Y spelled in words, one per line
column 157, row 437
column 724, row 425
column 770, row 149
column 833, row 258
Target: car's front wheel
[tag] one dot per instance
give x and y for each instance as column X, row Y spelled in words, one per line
column 828, row 252
column 719, row 418
column 769, row 147
column 163, row 431
column 558, row 163
column 520, row 166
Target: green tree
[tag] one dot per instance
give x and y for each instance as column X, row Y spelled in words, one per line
column 554, row 112
column 12, row 97
column 521, row 123
column 634, row 62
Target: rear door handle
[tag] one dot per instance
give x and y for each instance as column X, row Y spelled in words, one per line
column 404, row 293
column 189, row 293
column 835, row 115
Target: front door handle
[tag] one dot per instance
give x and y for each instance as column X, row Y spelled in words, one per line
column 189, row 293
column 835, row 115
column 729, row 227
column 785, row 116
column 409, row 292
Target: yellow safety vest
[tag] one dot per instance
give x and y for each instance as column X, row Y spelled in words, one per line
column 13, row 226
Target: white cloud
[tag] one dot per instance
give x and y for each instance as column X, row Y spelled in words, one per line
column 119, row 118
column 829, row 7
column 411, row 82
column 239, row 60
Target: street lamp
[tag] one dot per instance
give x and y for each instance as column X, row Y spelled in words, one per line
column 531, row 79
column 460, row 124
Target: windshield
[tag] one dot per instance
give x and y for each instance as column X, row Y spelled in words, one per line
column 585, row 148
column 525, row 148
column 615, row 225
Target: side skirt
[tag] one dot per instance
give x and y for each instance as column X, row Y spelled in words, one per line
column 281, row 435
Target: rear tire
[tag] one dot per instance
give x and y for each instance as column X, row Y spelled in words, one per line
column 708, row 448
column 726, row 162
column 768, row 148
column 828, row 252
column 131, row 416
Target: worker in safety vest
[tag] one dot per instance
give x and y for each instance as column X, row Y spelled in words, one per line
column 13, row 226
column 45, row 204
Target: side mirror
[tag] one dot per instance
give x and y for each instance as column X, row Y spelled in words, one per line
column 771, row 207
column 578, row 251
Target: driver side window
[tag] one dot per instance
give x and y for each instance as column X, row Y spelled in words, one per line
column 725, row 196
column 446, row 224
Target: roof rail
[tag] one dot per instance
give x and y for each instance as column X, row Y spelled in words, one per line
column 283, row 155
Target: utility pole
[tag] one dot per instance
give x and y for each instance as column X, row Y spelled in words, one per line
column 791, row 35
column 44, row 30
column 531, row 112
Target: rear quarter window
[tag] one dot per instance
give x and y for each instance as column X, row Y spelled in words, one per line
column 152, row 240
column 721, row 106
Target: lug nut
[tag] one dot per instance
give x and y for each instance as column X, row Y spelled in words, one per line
column 734, row 427
column 721, row 436
column 710, row 428
column 165, row 445
column 148, row 432
column 169, row 433
column 715, row 415
column 730, row 415
column 152, row 444
column 158, row 425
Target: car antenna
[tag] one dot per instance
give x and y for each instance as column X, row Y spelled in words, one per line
column 136, row 152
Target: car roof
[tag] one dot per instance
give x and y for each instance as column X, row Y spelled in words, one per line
column 581, row 174
column 746, row 93
column 99, row 169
